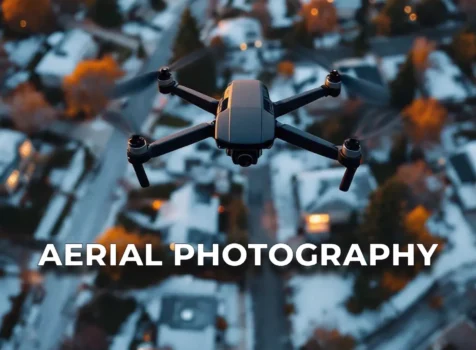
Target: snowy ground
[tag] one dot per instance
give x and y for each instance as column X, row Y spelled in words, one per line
column 319, row 299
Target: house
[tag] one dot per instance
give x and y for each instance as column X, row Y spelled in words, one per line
column 461, row 170
column 74, row 47
column 322, row 205
column 189, row 216
column 16, row 160
column 459, row 335
column 346, row 9
column 187, row 311
column 243, row 39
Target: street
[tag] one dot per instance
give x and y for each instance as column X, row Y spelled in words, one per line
column 266, row 286
column 90, row 213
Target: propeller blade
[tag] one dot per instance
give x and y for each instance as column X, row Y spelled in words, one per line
column 134, row 85
column 190, row 59
column 313, row 56
column 370, row 92
column 119, row 121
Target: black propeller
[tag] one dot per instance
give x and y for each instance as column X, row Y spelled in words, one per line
column 372, row 93
column 143, row 81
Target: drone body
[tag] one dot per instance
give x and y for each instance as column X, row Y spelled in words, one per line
column 245, row 123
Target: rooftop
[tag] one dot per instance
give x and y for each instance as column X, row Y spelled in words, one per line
column 70, row 50
column 10, row 140
column 320, row 188
column 235, row 31
column 463, row 167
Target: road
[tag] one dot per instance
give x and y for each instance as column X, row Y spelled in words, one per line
column 414, row 328
column 90, row 213
column 266, row 286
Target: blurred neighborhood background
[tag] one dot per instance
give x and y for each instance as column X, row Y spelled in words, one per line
column 65, row 178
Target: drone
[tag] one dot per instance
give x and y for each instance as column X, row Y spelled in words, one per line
column 245, row 121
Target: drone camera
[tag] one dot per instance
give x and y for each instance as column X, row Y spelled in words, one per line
column 244, row 158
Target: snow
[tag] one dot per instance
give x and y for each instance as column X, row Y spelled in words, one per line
column 10, row 140
column 22, row 52
column 441, row 78
column 148, row 35
column 132, row 65
column 250, row 327
column 277, row 10
column 16, row 79
column 329, row 311
column 126, row 335
column 235, row 31
column 53, row 212
column 60, row 61
column 328, row 40
column 55, row 38
column 244, row 5
column 127, row 5
column 75, row 171
column 164, row 20
column 390, row 65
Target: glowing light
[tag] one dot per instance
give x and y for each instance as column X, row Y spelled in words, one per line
column 157, row 204
column 25, row 149
column 221, row 209
column 23, row 23
column 314, row 12
column 258, row 43
column 318, row 218
column 172, row 246
column 413, row 17
column 243, row 47
column 13, row 179
column 330, row 1
column 407, row 9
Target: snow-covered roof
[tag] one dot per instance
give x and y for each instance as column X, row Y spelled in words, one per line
column 277, row 10
column 443, row 78
column 244, row 5
column 22, row 52
column 315, row 189
column 390, row 65
column 55, row 38
column 146, row 33
column 127, row 5
column 10, row 140
column 186, row 213
column 63, row 58
column 462, row 167
column 235, row 31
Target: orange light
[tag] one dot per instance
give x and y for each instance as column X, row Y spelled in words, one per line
column 172, row 246
column 23, row 23
column 314, row 12
column 413, row 17
column 13, row 179
column 25, row 149
column 157, row 204
column 318, row 218
column 407, row 9
column 258, row 43
column 330, row 1
column 221, row 209
column 243, row 46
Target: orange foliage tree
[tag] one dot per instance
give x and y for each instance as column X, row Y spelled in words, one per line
column 320, row 16
column 463, row 51
column 421, row 51
column 383, row 24
column 260, row 11
column 29, row 110
column 424, row 119
column 122, row 238
column 27, row 16
column 286, row 68
column 415, row 228
column 393, row 283
column 329, row 340
column 87, row 88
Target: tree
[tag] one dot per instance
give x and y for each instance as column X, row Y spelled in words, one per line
column 382, row 24
column 141, row 53
column 399, row 19
column 86, row 89
column 158, row 5
column 399, row 150
column 431, row 12
column 325, row 339
column 468, row 7
column 463, row 51
column 403, row 87
column 68, row 6
column 202, row 74
column 292, row 8
column 27, row 16
column 361, row 42
column 425, row 119
column 30, row 112
column 420, row 54
column 90, row 337
column 106, row 13
column 299, row 35
column 260, row 11
column 320, row 17
column 286, row 68
column 362, row 13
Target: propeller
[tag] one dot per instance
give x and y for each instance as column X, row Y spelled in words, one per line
column 142, row 82
column 120, row 122
column 370, row 92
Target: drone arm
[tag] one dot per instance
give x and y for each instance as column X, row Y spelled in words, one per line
column 306, row 141
column 181, row 139
column 295, row 102
column 200, row 100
